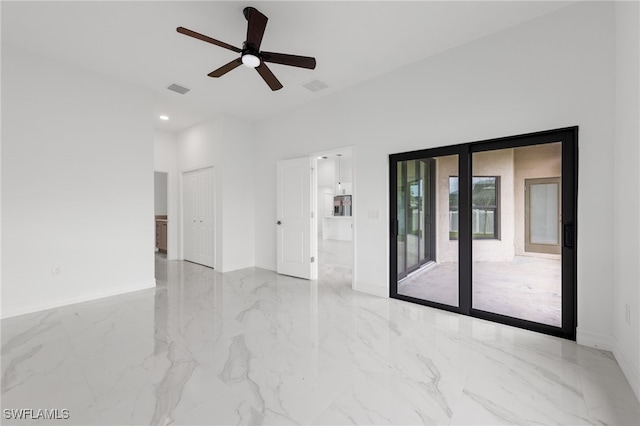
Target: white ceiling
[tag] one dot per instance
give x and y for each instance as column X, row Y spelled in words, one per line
column 351, row 41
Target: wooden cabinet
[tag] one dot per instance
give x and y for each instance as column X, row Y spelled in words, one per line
column 161, row 234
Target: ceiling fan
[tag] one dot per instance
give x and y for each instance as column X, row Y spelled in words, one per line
column 250, row 54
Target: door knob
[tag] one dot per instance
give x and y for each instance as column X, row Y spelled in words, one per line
column 279, row 223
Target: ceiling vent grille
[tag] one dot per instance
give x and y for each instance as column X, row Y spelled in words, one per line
column 315, row 85
column 179, row 89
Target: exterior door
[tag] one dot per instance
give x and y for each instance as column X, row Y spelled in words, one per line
column 542, row 215
column 293, row 217
column 505, row 243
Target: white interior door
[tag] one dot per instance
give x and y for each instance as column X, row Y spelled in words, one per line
column 190, row 217
column 294, row 221
column 198, row 196
column 205, row 213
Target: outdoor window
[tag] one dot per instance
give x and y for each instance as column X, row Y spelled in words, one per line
column 484, row 215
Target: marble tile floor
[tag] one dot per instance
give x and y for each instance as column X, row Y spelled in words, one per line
column 252, row 347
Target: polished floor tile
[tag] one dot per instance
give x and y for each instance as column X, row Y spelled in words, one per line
column 253, row 347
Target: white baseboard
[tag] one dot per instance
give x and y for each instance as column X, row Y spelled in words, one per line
column 608, row 343
column 375, row 290
column 629, row 370
column 235, row 267
column 594, row 340
column 56, row 303
column 268, row 266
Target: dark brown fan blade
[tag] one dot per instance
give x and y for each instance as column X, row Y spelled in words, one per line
column 291, row 60
column 202, row 37
column 257, row 23
column 268, row 77
column 226, row 68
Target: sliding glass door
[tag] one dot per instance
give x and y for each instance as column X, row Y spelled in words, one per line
column 415, row 182
column 422, row 271
column 488, row 229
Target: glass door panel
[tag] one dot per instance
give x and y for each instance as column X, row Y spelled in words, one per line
column 414, row 226
column 427, row 255
column 515, row 205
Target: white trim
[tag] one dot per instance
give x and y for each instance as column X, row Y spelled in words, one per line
column 143, row 285
column 235, row 266
column 629, row 370
column 372, row 289
column 594, row 340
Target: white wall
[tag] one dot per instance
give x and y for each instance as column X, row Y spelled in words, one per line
column 160, row 187
column 548, row 73
column 165, row 154
column 77, row 185
column 226, row 143
column 626, row 282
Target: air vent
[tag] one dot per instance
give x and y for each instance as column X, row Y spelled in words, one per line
column 179, row 89
column 315, row 85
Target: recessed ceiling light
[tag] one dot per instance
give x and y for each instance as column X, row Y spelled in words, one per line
column 164, row 117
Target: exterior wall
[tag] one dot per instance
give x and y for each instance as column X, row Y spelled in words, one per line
column 446, row 249
column 496, row 163
column 530, row 162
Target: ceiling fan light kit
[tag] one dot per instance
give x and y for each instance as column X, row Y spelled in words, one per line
column 250, row 54
column 249, row 60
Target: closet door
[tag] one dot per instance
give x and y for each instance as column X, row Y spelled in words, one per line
column 190, row 217
column 205, row 217
column 198, row 196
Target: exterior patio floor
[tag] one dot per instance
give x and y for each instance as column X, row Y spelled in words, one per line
column 527, row 288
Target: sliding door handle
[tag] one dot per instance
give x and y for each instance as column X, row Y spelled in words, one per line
column 394, row 228
column 567, row 235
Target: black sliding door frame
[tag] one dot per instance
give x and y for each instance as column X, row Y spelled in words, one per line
column 569, row 139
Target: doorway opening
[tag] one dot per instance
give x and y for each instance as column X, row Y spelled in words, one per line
column 161, row 213
column 315, row 219
column 487, row 229
column 334, row 217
